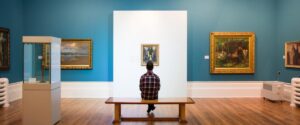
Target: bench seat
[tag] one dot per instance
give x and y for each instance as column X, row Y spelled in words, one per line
column 114, row 100
column 119, row 101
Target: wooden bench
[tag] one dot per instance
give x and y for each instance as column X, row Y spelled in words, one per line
column 180, row 101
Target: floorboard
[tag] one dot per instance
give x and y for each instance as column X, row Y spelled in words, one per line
column 236, row 111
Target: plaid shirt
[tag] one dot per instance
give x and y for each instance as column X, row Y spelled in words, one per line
column 149, row 86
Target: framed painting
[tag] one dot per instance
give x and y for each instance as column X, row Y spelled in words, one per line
column 4, row 48
column 150, row 52
column 75, row 54
column 292, row 54
column 232, row 52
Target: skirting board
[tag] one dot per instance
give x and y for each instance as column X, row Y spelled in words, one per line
column 69, row 90
column 86, row 89
column 14, row 91
column 198, row 89
column 224, row 89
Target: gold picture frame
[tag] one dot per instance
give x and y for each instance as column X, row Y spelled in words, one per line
column 232, row 52
column 75, row 54
column 292, row 54
column 150, row 52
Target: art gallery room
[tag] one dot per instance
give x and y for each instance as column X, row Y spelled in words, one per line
column 150, row 62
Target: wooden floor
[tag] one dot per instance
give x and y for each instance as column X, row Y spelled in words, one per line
column 205, row 112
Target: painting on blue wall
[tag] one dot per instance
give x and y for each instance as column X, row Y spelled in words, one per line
column 232, row 52
column 75, row 54
column 292, row 54
column 150, row 52
column 4, row 48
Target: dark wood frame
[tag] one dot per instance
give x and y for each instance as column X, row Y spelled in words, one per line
column 5, row 30
column 286, row 55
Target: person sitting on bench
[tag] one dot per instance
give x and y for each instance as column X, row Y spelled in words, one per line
column 149, row 86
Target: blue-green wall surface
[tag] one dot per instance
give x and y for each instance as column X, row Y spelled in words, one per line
column 93, row 19
column 273, row 21
column 288, row 29
column 12, row 18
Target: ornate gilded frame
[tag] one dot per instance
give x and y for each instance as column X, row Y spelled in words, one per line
column 287, row 56
column 232, row 70
column 143, row 63
column 5, row 49
column 73, row 66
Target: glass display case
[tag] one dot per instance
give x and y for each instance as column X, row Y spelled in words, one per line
column 35, row 59
column 41, row 60
column 41, row 80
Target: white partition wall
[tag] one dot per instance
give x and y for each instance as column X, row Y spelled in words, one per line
column 134, row 28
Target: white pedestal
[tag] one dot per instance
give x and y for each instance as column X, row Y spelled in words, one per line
column 41, row 104
column 272, row 90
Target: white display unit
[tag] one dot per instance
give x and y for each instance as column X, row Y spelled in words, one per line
column 134, row 28
column 41, row 84
column 272, row 90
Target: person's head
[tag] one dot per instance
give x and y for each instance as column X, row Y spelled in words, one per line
column 149, row 66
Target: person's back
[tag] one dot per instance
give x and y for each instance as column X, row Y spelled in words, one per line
column 149, row 85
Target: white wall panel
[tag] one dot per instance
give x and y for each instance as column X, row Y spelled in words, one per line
column 134, row 28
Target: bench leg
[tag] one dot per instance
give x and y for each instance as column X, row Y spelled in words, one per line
column 182, row 113
column 117, row 117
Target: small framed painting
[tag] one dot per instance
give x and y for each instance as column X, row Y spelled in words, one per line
column 150, row 52
column 232, row 52
column 75, row 54
column 4, row 48
column 292, row 54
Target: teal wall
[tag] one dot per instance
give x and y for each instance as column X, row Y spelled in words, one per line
column 93, row 19
column 288, row 30
column 269, row 19
column 12, row 18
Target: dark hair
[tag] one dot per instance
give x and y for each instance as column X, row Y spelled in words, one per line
column 149, row 65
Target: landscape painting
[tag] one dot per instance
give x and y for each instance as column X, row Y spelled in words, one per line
column 150, row 52
column 4, row 48
column 292, row 54
column 75, row 54
column 232, row 52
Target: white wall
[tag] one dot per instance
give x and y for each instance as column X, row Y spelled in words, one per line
column 134, row 28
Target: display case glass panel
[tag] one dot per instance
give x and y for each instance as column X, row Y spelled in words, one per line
column 34, row 63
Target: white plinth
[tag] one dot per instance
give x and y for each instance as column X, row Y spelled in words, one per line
column 41, row 104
